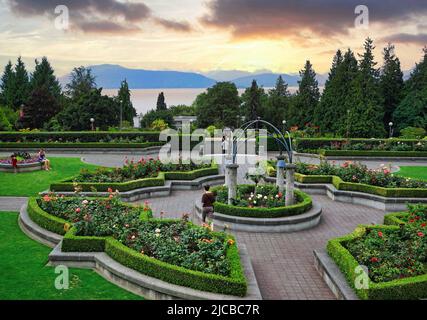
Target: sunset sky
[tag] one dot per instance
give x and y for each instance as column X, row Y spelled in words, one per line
column 205, row 35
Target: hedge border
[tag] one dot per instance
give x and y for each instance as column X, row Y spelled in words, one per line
column 235, row 284
column 159, row 181
column 361, row 153
column 78, row 145
column 305, row 204
column 407, row 288
column 338, row 183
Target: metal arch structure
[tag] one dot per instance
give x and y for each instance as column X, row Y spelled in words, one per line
column 283, row 143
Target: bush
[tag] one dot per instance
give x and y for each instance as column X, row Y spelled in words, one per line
column 413, row 133
column 159, row 125
column 304, row 204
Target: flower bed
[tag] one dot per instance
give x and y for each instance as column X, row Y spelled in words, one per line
column 175, row 251
column 264, row 202
column 357, row 177
column 135, row 175
column 22, row 157
column 395, row 256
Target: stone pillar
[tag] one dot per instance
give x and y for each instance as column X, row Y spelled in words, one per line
column 232, row 181
column 290, row 184
column 280, row 174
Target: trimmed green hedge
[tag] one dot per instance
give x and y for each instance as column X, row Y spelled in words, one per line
column 235, row 284
column 357, row 153
column 395, row 219
column 400, row 289
column 78, row 145
column 68, row 186
column 43, row 219
column 305, row 204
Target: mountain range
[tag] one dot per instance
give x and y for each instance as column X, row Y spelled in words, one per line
column 109, row 76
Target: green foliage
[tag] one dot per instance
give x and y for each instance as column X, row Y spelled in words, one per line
column 21, row 85
column 391, row 84
column 365, row 104
column 277, row 106
column 153, row 115
column 7, row 86
column 161, row 104
column 158, row 125
column 412, row 133
column 5, row 119
column 253, row 100
column 125, row 103
column 44, row 77
column 40, row 107
column 182, row 110
column 306, row 99
column 412, row 111
column 219, row 106
column 86, row 105
column 81, row 84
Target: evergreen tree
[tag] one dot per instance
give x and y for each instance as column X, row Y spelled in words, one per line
column 277, row 104
column 161, row 104
column 219, row 106
column 21, row 85
column 7, row 86
column 44, row 76
column 412, row 111
column 82, row 82
column 391, row 83
column 364, row 104
column 253, row 99
column 330, row 115
column 125, row 103
column 307, row 97
column 39, row 108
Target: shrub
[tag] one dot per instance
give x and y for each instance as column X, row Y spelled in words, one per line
column 412, row 133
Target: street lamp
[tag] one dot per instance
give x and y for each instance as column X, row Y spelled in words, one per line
column 92, row 121
column 391, row 131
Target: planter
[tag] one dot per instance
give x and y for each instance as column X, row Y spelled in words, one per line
column 26, row 167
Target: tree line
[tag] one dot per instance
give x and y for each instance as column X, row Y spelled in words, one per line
column 37, row 100
column 359, row 99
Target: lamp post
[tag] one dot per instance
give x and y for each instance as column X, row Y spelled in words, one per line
column 391, row 129
column 92, row 121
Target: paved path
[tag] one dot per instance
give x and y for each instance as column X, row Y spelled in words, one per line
column 12, row 203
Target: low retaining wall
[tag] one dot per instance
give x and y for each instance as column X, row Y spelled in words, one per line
column 27, row 167
column 295, row 223
column 161, row 191
column 333, row 276
column 129, row 279
column 359, row 198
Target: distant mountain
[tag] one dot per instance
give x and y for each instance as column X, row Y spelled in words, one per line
column 110, row 76
column 230, row 75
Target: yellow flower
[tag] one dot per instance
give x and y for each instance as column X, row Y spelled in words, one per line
column 67, row 227
column 230, row 242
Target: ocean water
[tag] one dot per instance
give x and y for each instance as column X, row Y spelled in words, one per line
column 145, row 99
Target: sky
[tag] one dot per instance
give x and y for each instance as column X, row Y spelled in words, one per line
column 206, row 35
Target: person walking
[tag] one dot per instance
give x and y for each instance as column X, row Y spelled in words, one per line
column 208, row 200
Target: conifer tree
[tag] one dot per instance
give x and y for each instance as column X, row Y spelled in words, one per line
column 7, row 86
column 21, row 85
column 161, row 104
column 44, row 76
column 127, row 109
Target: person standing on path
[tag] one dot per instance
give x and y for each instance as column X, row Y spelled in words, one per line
column 208, row 200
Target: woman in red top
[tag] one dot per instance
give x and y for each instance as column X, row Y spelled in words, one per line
column 14, row 163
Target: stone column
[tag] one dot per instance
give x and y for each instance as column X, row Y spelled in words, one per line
column 280, row 174
column 232, row 181
column 290, row 184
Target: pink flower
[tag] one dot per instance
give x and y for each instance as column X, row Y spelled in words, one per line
column 78, row 210
column 380, row 234
column 420, row 234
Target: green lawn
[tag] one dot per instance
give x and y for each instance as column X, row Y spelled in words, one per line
column 30, row 183
column 25, row 276
column 419, row 173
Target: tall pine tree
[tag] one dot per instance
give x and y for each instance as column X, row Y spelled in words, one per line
column 82, row 82
column 253, row 99
column 21, row 85
column 44, row 76
column 161, row 103
column 307, row 97
column 412, row 111
column 124, row 100
column 364, row 104
column 391, row 83
column 277, row 105
column 7, row 86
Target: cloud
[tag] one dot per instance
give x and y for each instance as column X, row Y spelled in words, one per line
column 303, row 18
column 407, row 38
column 97, row 16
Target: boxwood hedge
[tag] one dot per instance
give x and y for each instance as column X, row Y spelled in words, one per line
column 68, row 185
column 361, row 153
column 78, row 145
column 400, row 289
column 235, row 284
column 304, row 204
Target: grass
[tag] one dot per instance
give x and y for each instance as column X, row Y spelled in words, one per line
column 25, row 275
column 30, row 183
column 419, row 173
